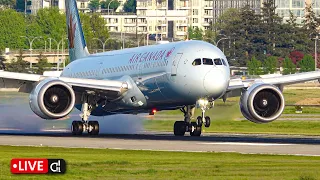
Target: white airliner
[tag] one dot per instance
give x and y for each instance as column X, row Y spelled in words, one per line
column 181, row 75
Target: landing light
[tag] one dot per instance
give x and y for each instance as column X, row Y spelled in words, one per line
column 202, row 102
column 152, row 112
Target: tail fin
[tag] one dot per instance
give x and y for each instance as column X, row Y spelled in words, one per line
column 77, row 44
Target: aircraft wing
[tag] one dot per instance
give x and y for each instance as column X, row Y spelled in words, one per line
column 237, row 84
column 26, row 82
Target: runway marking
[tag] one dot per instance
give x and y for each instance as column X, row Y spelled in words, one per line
column 245, row 144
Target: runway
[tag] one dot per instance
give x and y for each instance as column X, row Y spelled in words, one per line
column 240, row 143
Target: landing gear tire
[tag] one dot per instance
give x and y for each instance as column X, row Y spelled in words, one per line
column 77, row 127
column 179, row 128
column 93, row 127
column 207, row 121
column 196, row 130
column 199, row 121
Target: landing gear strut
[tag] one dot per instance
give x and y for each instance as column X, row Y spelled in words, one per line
column 92, row 127
column 195, row 128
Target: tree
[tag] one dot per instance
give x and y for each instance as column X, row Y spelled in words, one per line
column 18, row 65
column 12, row 27
column 296, row 56
column 288, row 66
column 224, row 21
column 195, row 33
column 99, row 29
column 42, row 64
column 270, row 65
column 311, row 21
column 7, row 3
column 94, row 5
column 254, row 66
column 270, row 28
column 307, row 64
column 130, row 6
column 49, row 23
column 113, row 5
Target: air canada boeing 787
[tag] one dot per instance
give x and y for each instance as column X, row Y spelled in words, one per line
column 181, row 75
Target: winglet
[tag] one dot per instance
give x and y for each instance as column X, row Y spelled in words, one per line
column 77, row 44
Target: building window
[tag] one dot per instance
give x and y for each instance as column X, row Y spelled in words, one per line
column 195, row 12
column 195, row 20
column 82, row 5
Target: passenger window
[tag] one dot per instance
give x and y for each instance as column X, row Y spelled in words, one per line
column 196, row 62
column 207, row 61
column 217, row 62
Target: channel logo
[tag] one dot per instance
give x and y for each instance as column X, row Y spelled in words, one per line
column 38, row 166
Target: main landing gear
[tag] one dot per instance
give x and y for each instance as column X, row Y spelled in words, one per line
column 195, row 128
column 92, row 127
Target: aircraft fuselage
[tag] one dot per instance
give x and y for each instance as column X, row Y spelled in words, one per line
column 168, row 75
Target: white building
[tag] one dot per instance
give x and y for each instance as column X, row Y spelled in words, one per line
column 83, row 5
column 171, row 18
column 297, row 7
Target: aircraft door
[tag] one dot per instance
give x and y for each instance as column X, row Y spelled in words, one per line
column 175, row 63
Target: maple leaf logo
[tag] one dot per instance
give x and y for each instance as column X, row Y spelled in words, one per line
column 71, row 31
column 169, row 53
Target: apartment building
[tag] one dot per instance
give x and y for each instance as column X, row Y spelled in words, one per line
column 297, row 7
column 171, row 18
column 83, row 5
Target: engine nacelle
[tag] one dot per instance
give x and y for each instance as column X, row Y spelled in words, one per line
column 262, row 103
column 52, row 99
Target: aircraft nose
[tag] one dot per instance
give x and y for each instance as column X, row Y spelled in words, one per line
column 215, row 82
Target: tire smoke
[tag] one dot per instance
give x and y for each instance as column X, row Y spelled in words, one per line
column 17, row 117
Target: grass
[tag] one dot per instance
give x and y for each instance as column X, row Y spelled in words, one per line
column 127, row 164
column 247, row 127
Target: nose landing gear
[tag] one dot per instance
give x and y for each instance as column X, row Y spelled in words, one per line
column 195, row 128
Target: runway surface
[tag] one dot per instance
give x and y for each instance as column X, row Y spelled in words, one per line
column 241, row 143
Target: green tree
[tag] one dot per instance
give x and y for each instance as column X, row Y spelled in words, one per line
column 94, row 5
column 195, row 33
column 130, row 6
column 270, row 65
column 18, row 65
column 307, row 64
column 42, row 65
column 113, row 5
column 224, row 21
column 288, row 66
column 270, row 28
column 12, row 27
column 7, row 3
column 50, row 23
column 254, row 66
column 99, row 29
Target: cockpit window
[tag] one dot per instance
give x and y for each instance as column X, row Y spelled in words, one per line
column 207, row 61
column 224, row 62
column 196, row 62
column 217, row 62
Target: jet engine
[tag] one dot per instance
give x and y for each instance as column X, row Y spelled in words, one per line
column 262, row 103
column 52, row 99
